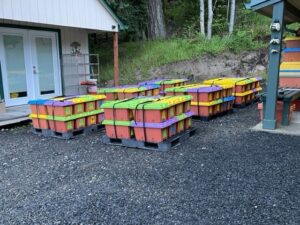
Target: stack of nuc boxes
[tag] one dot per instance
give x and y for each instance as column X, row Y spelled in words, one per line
column 67, row 116
column 246, row 89
column 207, row 101
column 129, row 91
column 290, row 67
column 165, row 83
column 144, row 121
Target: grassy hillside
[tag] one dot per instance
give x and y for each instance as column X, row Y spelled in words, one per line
column 142, row 56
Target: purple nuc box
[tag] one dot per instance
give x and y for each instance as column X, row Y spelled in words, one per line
column 160, row 125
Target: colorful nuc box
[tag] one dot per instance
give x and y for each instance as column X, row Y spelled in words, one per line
column 147, row 119
column 291, row 55
column 165, row 83
column 289, row 75
column 245, row 89
column 129, row 91
column 63, row 114
column 208, row 99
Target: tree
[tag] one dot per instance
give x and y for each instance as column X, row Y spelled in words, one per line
column 210, row 19
column 202, row 20
column 232, row 16
column 157, row 27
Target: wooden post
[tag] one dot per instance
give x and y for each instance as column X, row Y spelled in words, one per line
column 116, row 59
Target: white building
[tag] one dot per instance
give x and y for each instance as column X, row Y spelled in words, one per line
column 34, row 34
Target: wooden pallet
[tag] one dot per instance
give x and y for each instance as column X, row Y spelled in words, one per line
column 67, row 135
column 208, row 118
column 244, row 105
column 164, row 146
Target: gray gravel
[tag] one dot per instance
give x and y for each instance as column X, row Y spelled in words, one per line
column 226, row 174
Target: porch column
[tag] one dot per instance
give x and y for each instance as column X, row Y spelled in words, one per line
column 1, row 85
column 269, row 121
column 116, row 59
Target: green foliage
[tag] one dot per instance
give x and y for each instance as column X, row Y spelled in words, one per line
column 137, row 58
column 134, row 14
column 182, row 16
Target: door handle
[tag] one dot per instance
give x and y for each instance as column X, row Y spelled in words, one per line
column 35, row 70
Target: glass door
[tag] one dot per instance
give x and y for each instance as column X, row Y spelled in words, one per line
column 14, row 65
column 45, row 64
column 29, row 65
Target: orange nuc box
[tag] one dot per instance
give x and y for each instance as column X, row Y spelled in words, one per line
column 111, row 96
column 38, row 106
column 158, row 132
column 187, row 123
column 204, row 111
column 78, row 108
column 89, row 106
column 91, row 120
column 80, row 123
column 67, row 114
column 292, row 42
column 152, row 135
column 293, row 82
column 297, row 105
column 118, row 132
column 62, row 127
column 118, row 114
column 291, row 56
column 40, row 123
column 129, row 91
column 180, row 126
column 178, row 109
column 150, row 116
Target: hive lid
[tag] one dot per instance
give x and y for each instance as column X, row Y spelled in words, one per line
column 67, row 101
column 66, row 118
column 292, row 39
column 161, row 103
column 38, row 101
column 155, row 102
column 215, row 102
column 117, row 123
column 290, row 66
column 248, row 92
column 286, row 50
column 235, row 81
column 199, row 88
column 164, row 124
column 163, row 81
column 124, row 103
column 128, row 89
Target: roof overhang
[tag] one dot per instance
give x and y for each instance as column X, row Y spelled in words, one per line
column 122, row 26
column 265, row 7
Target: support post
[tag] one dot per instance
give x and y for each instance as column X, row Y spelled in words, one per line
column 269, row 121
column 116, row 59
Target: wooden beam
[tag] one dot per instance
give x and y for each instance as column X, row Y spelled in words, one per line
column 116, row 59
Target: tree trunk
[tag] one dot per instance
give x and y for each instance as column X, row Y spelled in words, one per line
column 232, row 17
column 157, row 27
column 202, row 20
column 210, row 19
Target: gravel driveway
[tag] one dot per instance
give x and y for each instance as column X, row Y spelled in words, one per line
column 226, row 174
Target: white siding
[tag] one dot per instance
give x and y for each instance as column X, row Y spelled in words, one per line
column 68, row 35
column 88, row 14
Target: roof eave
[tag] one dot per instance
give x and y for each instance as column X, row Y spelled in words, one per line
column 259, row 4
column 122, row 26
